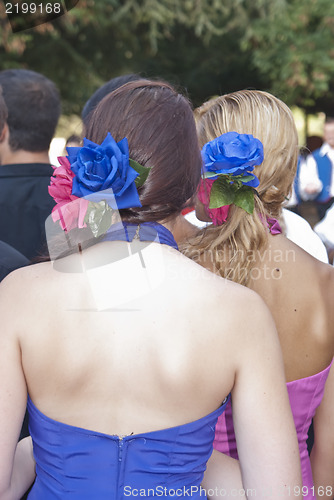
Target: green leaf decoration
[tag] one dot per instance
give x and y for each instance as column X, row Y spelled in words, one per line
column 142, row 171
column 222, row 193
column 207, row 175
column 247, row 178
column 244, row 198
column 98, row 217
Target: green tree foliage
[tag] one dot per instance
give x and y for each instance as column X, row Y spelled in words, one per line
column 292, row 45
column 207, row 46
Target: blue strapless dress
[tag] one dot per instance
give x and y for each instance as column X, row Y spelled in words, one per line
column 79, row 464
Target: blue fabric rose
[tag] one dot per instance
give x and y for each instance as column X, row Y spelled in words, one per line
column 103, row 172
column 234, row 154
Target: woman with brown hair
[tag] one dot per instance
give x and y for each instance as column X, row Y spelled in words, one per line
column 243, row 190
column 118, row 346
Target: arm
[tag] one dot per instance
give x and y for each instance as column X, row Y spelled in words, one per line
column 23, row 470
column 264, row 428
column 16, row 462
column 222, row 478
column 322, row 455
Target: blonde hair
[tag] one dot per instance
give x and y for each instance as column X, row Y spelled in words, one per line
column 231, row 246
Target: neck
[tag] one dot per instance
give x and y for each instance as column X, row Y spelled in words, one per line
column 180, row 228
column 21, row 156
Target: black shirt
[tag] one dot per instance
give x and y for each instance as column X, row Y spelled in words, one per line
column 25, row 204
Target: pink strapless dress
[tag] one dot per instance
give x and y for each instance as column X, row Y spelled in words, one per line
column 305, row 396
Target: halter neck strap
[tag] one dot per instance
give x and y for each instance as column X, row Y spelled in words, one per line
column 145, row 231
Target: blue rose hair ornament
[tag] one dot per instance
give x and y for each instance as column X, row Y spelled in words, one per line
column 228, row 164
column 93, row 181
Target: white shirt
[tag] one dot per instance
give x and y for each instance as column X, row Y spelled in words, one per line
column 298, row 230
column 325, row 228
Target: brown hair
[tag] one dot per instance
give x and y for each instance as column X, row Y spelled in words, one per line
column 159, row 125
column 232, row 245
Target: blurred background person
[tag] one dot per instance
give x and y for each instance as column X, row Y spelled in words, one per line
column 73, row 141
column 10, row 258
column 313, row 142
column 317, row 173
column 33, row 104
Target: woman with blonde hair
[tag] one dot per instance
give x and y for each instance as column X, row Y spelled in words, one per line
column 250, row 149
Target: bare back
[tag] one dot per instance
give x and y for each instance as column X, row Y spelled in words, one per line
column 299, row 291
column 119, row 369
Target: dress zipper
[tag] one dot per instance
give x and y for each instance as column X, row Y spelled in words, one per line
column 120, row 457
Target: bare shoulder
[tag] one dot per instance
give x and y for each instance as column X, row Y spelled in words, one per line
column 22, row 286
column 322, row 274
column 326, row 273
column 300, row 266
column 16, row 279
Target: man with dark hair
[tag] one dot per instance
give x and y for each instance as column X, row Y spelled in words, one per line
column 33, row 104
column 10, row 258
column 104, row 90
